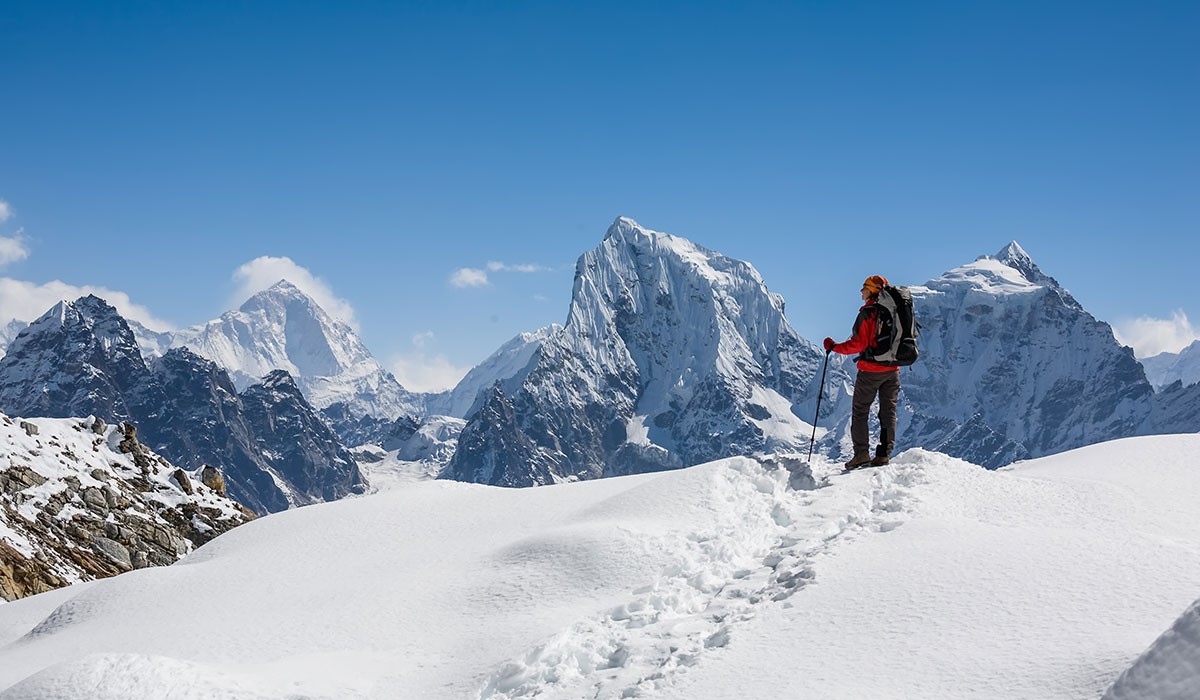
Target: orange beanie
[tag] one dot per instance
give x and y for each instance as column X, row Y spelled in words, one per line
column 874, row 283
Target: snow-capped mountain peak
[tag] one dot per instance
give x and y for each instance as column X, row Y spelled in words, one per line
column 282, row 328
column 1009, row 271
column 1010, row 351
column 672, row 354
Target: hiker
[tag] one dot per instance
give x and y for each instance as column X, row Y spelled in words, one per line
column 873, row 379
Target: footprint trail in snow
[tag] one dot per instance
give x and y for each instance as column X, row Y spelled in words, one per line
column 759, row 551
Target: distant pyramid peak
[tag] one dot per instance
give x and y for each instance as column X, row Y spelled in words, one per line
column 284, row 285
column 284, row 291
column 1012, row 252
column 1014, row 256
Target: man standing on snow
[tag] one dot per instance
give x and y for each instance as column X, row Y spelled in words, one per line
column 873, row 379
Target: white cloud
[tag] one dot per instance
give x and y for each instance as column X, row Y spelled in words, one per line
column 422, row 339
column 527, row 268
column 27, row 301
column 5, row 211
column 1151, row 336
column 424, row 372
column 469, row 277
column 12, row 248
column 263, row 272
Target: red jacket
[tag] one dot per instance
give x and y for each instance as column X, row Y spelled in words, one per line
column 863, row 338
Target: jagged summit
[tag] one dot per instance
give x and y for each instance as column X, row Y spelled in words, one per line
column 278, row 379
column 1015, row 257
column 710, row 264
column 671, row 355
column 90, row 307
column 1012, row 251
column 1009, row 271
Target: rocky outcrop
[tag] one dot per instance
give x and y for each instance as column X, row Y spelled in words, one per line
column 81, row 500
column 301, row 448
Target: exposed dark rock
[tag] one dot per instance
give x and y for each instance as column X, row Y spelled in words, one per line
column 301, row 447
column 211, row 477
column 184, row 482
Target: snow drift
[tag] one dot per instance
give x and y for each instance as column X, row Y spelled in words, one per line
column 928, row 578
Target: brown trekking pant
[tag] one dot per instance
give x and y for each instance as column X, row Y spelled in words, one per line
column 866, row 386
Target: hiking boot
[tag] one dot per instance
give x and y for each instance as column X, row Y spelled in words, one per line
column 861, row 459
column 881, row 457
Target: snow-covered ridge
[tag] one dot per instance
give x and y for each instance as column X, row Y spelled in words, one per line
column 80, row 499
column 1169, row 367
column 695, row 583
column 509, row 364
column 1009, row 271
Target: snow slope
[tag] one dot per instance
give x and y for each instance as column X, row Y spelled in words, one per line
column 929, row 578
column 1168, row 367
column 509, row 365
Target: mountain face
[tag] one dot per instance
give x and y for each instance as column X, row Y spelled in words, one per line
column 1169, row 367
column 80, row 499
column 300, row 445
column 1012, row 366
column 283, row 328
column 81, row 358
column 509, row 365
column 77, row 359
column 671, row 355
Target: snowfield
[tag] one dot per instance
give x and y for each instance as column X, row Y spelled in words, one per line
column 929, row 578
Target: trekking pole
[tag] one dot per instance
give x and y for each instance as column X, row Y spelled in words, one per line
column 817, row 414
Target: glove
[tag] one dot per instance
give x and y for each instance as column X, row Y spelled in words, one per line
column 829, row 343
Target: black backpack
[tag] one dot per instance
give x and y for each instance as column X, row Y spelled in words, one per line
column 896, row 328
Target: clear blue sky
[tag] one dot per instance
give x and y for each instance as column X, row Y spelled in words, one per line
column 153, row 148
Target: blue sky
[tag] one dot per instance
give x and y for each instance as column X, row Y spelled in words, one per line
column 172, row 154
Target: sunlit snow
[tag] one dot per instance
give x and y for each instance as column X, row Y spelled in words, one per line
column 928, row 578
